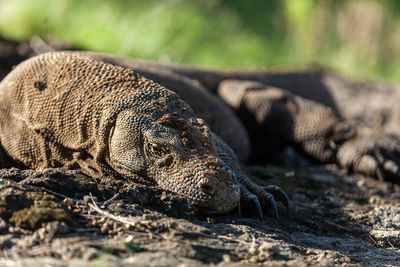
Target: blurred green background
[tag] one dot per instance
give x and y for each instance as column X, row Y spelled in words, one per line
column 359, row 38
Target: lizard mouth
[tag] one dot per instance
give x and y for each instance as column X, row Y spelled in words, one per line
column 129, row 173
column 122, row 168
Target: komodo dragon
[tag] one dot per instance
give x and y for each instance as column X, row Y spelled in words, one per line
column 67, row 110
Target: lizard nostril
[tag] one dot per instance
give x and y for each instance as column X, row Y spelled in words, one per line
column 207, row 188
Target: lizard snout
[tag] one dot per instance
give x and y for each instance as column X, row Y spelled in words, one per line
column 219, row 189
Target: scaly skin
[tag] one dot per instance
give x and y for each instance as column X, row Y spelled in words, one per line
column 316, row 129
column 66, row 110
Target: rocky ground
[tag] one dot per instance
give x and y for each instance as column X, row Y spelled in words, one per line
column 57, row 217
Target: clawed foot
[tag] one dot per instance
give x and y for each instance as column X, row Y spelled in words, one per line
column 260, row 197
column 250, row 193
column 375, row 155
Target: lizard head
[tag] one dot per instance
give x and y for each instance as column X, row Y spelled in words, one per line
column 173, row 149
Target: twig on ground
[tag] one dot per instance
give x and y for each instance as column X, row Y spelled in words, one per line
column 373, row 240
column 105, row 203
column 106, row 214
column 398, row 250
column 30, row 187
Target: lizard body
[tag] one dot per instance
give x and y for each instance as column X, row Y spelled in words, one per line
column 66, row 110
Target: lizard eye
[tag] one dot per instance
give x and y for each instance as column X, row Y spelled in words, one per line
column 154, row 149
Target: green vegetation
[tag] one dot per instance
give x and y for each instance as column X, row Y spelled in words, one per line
column 358, row 38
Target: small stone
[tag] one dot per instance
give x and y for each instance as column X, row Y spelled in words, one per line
column 226, row 258
column 253, row 259
column 129, row 239
column 88, row 199
column 210, row 220
column 252, row 250
column 90, row 254
column 373, row 200
column 269, row 248
column 14, row 229
column 360, row 183
column 230, row 235
column 64, row 257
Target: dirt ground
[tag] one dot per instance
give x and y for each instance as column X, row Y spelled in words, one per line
column 57, row 217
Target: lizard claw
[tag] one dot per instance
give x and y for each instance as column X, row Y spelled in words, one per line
column 271, row 201
column 279, row 195
column 263, row 196
column 258, row 205
column 247, row 197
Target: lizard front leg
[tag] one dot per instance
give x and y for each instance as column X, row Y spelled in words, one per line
column 275, row 116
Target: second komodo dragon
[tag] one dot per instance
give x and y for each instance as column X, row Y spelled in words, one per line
column 67, row 110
